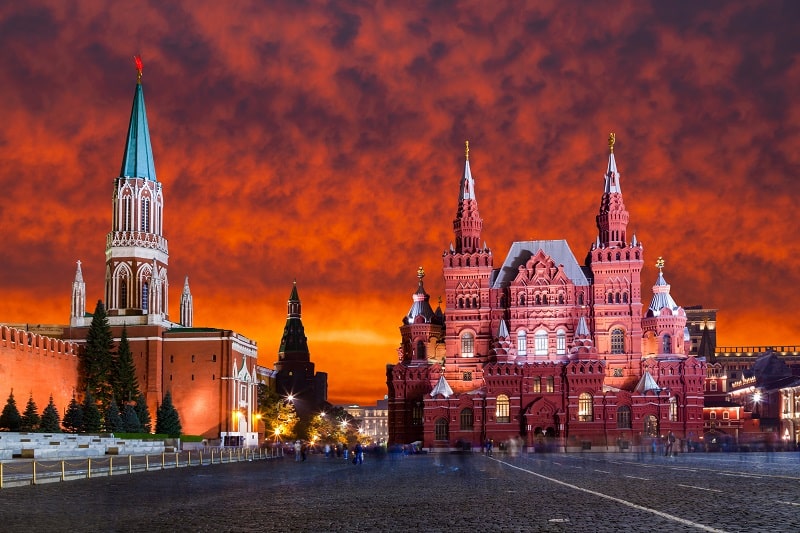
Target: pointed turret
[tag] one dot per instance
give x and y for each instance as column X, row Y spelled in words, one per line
column 137, row 161
column 136, row 251
column 468, row 222
column 421, row 311
column 187, row 308
column 612, row 221
column 294, row 342
column 78, row 310
column 665, row 322
column 583, row 346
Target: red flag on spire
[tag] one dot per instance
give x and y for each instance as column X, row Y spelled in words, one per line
column 138, row 61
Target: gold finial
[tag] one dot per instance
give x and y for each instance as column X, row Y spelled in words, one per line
column 612, row 138
column 420, row 273
column 660, row 263
column 466, row 149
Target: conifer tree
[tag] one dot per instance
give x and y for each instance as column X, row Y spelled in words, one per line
column 126, row 386
column 167, row 419
column 130, row 421
column 96, row 357
column 92, row 419
column 113, row 422
column 10, row 419
column 73, row 417
column 51, row 422
column 143, row 414
column 30, row 418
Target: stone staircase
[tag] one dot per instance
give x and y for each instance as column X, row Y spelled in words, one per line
column 67, row 446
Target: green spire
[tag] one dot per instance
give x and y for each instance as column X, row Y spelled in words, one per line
column 137, row 162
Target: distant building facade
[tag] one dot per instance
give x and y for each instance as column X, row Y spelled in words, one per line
column 542, row 348
column 372, row 420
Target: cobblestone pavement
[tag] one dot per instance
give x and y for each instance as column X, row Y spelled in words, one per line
column 546, row 492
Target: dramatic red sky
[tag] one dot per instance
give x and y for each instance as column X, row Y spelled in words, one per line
column 323, row 141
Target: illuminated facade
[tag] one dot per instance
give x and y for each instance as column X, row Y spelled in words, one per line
column 542, row 348
column 209, row 371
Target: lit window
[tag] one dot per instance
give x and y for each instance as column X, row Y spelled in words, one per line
column 725, row 415
column 146, row 214
column 673, row 409
column 537, row 384
column 466, row 376
column 541, row 343
column 561, row 342
column 617, row 341
column 585, row 407
column 145, row 295
column 713, row 415
column 467, row 345
column 522, row 343
column 550, row 384
column 416, row 415
column 502, row 412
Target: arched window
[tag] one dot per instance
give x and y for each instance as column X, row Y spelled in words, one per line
column 580, row 298
column 561, row 299
column 522, row 299
column 585, row 407
column 127, row 216
column 441, row 429
column 538, row 300
column 550, row 384
column 667, row 348
column 617, row 341
column 503, row 409
column 537, row 384
column 467, row 419
column 561, row 342
column 617, row 298
column 624, row 297
column 541, row 343
column 146, row 214
column 123, row 294
column 623, row 417
column 610, row 298
column 420, row 350
column 145, row 295
column 673, row 409
column 544, row 299
column 468, row 303
column 467, row 345
column 416, row 414
column 522, row 343
column 475, row 303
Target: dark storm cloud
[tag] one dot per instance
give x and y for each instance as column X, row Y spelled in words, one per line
column 324, row 141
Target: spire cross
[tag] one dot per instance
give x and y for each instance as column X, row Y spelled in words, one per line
column 466, row 149
column 420, row 273
column 612, row 139
column 660, row 263
column 138, row 61
column 79, row 263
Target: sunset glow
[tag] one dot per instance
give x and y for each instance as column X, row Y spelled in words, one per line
column 324, row 142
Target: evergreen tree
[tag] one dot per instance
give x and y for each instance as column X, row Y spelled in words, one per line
column 113, row 422
column 51, row 422
column 30, row 418
column 96, row 358
column 167, row 419
column 10, row 419
column 126, row 386
column 130, row 421
column 143, row 414
column 92, row 419
column 73, row 417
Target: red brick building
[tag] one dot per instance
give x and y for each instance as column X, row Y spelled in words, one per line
column 542, row 348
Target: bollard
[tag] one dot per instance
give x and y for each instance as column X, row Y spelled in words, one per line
column 1, row 475
column 89, row 468
column 201, row 457
column 130, row 464
column 162, row 460
column 176, row 460
column 189, row 458
column 110, row 465
column 146, row 463
column 63, row 472
column 33, row 480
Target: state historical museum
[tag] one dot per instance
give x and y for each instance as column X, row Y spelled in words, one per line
column 542, row 349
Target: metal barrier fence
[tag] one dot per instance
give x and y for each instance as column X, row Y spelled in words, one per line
column 17, row 473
